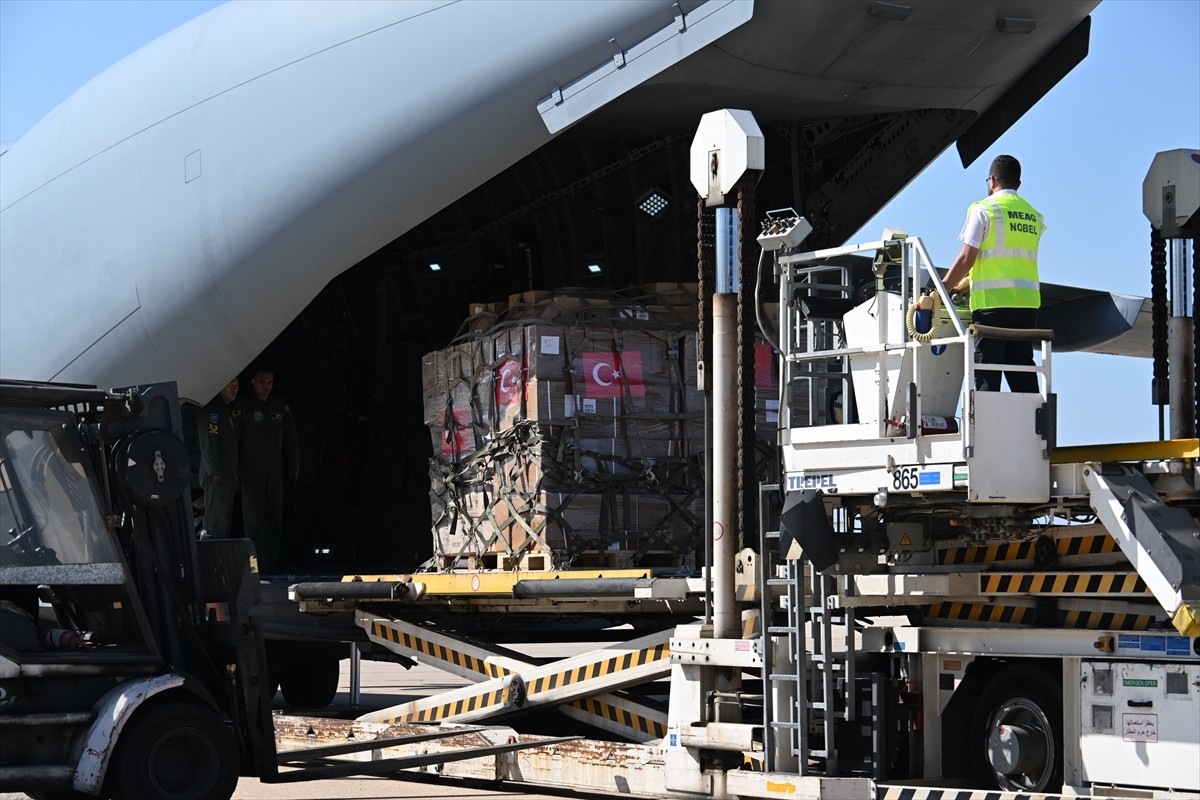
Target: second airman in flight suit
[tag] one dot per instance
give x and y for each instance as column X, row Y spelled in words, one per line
column 270, row 455
column 218, row 433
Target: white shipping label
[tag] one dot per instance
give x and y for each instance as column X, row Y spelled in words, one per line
column 549, row 346
column 569, row 405
column 589, row 405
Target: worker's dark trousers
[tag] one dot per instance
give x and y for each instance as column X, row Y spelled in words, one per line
column 262, row 515
column 999, row 351
column 218, row 509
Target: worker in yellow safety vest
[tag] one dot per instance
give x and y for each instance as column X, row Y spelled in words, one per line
column 999, row 262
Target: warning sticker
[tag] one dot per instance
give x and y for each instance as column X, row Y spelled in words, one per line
column 1147, row 643
column 1139, row 727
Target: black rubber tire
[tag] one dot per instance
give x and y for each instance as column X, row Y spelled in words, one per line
column 310, row 684
column 174, row 751
column 1028, row 696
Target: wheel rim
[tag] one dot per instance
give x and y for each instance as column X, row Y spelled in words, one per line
column 183, row 764
column 1020, row 746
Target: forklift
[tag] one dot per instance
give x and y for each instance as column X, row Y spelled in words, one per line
column 129, row 663
column 132, row 654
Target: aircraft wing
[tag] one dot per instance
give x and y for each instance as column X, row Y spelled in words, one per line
column 1093, row 321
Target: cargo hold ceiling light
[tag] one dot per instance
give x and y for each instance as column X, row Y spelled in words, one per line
column 435, row 267
column 595, row 267
column 654, row 203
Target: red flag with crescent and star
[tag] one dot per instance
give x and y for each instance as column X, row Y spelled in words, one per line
column 509, row 380
column 608, row 374
column 457, row 437
column 764, row 363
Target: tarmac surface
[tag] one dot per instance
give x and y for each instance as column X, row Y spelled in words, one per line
column 385, row 684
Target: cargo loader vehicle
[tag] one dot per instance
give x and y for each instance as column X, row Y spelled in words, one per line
column 937, row 601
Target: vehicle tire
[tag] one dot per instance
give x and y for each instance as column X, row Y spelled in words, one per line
column 1018, row 731
column 311, row 684
column 175, row 751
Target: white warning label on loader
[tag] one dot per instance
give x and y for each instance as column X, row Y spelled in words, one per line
column 1139, row 727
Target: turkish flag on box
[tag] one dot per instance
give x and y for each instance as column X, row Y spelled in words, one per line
column 457, row 438
column 764, row 366
column 607, row 374
column 509, row 381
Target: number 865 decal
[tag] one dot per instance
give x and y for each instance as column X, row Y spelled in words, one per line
column 905, row 478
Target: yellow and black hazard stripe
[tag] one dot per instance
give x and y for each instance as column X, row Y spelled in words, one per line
column 1094, row 545
column 1063, row 583
column 1101, row 620
column 1066, row 547
column 438, row 651
column 495, row 697
column 638, row 722
column 753, row 763
column 930, row 793
column 982, row 612
column 1013, row 551
column 1029, row 616
column 598, row 669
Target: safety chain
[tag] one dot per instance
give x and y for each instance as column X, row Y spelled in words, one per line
column 706, row 278
column 1158, row 319
column 747, row 473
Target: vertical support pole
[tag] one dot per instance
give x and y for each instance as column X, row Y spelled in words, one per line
column 1180, row 351
column 355, row 675
column 726, row 620
column 705, row 283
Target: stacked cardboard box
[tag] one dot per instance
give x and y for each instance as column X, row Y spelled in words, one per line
column 566, row 432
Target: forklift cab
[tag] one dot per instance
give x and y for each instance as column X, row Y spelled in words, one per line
column 63, row 582
column 128, row 663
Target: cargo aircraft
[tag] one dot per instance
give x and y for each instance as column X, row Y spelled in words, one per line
column 329, row 184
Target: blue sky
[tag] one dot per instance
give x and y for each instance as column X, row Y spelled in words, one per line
column 1085, row 150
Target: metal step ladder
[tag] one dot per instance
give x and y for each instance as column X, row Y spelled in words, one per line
column 831, row 678
column 810, row 665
